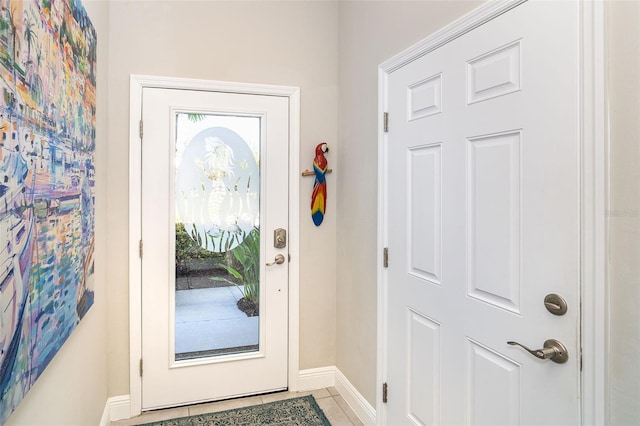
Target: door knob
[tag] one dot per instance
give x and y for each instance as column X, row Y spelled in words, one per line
column 553, row 350
column 277, row 261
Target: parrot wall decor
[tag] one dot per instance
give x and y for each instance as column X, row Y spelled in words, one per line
column 319, row 194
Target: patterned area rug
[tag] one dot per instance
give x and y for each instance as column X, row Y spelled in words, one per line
column 303, row 411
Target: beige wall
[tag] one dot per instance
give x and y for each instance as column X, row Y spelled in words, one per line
column 624, row 211
column 288, row 43
column 73, row 388
column 370, row 33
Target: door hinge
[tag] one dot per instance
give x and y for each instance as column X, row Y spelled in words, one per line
column 385, row 392
column 385, row 257
column 140, row 129
column 140, row 367
column 140, row 248
column 386, row 122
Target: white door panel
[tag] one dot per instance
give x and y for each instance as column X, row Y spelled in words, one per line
column 483, row 223
column 169, row 379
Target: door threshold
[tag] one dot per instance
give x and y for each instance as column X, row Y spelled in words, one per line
column 216, row 352
column 230, row 399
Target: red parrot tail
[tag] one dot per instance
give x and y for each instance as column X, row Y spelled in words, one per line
column 318, row 202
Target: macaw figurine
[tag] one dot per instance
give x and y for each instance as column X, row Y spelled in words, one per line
column 319, row 195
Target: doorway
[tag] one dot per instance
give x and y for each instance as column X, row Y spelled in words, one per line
column 467, row 152
column 216, row 286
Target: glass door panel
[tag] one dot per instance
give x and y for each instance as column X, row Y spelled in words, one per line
column 217, row 234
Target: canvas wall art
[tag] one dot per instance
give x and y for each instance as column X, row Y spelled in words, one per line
column 47, row 141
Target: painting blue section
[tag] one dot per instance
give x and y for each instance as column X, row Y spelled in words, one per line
column 47, row 143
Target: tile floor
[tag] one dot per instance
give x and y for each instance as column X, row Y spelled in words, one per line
column 334, row 406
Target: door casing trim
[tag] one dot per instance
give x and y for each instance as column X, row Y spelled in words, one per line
column 593, row 195
column 137, row 83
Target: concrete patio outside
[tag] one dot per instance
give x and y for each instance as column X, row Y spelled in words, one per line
column 207, row 319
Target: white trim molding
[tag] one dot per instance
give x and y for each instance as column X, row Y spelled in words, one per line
column 382, row 317
column 316, row 378
column 137, row 83
column 360, row 406
column 594, row 180
column 116, row 408
column 463, row 25
column 119, row 407
column 593, row 134
column 324, row 377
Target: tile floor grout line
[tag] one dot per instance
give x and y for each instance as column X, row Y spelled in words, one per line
column 342, row 409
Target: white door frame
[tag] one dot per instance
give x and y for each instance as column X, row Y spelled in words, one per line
column 137, row 83
column 593, row 168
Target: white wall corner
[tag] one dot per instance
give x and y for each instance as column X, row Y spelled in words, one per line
column 116, row 408
column 106, row 413
column 324, row 377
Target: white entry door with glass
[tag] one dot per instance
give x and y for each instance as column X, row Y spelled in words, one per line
column 214, row 230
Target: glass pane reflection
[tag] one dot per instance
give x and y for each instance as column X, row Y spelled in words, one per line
column 217, row 234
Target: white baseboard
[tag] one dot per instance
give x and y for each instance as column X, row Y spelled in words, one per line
column 360, row 406
column 116, row 408
column 316, row 378
column 119, row 407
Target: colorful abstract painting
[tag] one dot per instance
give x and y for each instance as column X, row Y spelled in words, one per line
column 47, row 141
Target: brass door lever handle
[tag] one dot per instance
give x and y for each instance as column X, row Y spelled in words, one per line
column 553, row 350
column 277, row 261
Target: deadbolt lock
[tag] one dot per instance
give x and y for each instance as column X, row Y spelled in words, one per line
column 280, row 238
column 555, row 304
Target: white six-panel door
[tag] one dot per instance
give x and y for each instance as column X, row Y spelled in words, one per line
column 483, row 222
